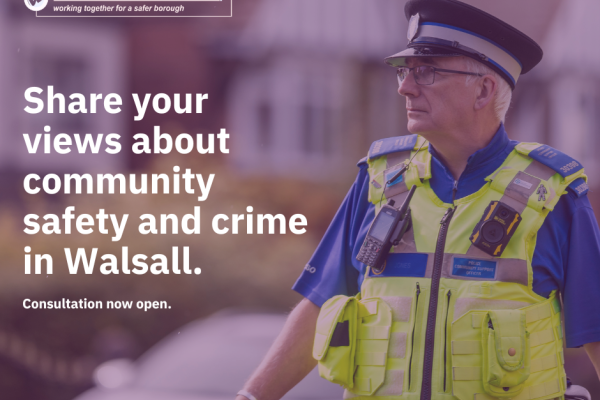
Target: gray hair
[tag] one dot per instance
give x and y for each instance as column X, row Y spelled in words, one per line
column 503, row 92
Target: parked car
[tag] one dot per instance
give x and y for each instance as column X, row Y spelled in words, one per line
column 208, row 359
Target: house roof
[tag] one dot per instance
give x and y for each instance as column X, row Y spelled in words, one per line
column 356, row 28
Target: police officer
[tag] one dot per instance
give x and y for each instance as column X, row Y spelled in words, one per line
column 462, row 308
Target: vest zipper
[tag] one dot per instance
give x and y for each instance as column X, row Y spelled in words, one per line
column 449, row 294
column 438, row 260
column 412, row 340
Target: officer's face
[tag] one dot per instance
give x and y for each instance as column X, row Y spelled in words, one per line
column 443, row 107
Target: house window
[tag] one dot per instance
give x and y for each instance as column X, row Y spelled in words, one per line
column 317, row 129
column 317, row 115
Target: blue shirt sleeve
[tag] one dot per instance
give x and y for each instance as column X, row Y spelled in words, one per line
column 331, row 270
column 567, row 258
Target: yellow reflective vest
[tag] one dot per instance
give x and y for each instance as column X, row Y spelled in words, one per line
column 470, row 327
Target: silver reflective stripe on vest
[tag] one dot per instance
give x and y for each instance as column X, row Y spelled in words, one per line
column 392, row 385
column 521, row 187
column 524, row 184
column 539, row 170
column 400, row 307
column 397, row 346
column 506, row 269
column 395, row 161
column 397, row 158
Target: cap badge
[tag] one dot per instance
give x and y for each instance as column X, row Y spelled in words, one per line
column 413, row 27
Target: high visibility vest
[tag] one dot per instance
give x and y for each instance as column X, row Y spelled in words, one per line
column 444, row 319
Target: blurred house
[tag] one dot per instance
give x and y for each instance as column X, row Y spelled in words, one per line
column 560, row 104
column 72, row 55
column 311, row 91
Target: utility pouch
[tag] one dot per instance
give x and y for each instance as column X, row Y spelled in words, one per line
column 351, row 342
column 505, row 348
column 373, row 338
column 335, row 340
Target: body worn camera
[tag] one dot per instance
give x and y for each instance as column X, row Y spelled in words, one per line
column 387, row 229
column 495, row 229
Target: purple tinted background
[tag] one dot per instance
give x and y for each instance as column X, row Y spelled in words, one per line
column 300, row 86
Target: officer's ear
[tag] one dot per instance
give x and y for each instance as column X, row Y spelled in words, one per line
column 486, row 90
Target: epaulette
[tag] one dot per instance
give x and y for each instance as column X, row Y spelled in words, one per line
column 579, row 187
column 550, row 157
column 391, row 145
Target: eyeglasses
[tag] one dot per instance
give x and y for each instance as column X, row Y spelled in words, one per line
column 425, row 74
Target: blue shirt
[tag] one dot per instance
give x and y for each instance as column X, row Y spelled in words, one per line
column 566, row 257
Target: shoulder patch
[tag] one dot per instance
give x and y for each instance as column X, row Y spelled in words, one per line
column 558, row 161
column 391, row 145
column 579, row 187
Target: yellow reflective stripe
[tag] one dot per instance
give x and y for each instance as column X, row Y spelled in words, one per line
column 466, row 347
column 466, row 373
column 562, row 357
column 541, row 337
column 370, row 358
column 374, row 332
column 366, row 309
column 543, row 389
column 537, row 313
column 543, row 363
column 559, row 332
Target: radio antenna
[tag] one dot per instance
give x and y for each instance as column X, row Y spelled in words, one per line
column 402, row 170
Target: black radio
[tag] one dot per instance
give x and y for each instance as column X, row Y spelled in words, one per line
column 387, row 229
column 493, row 232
